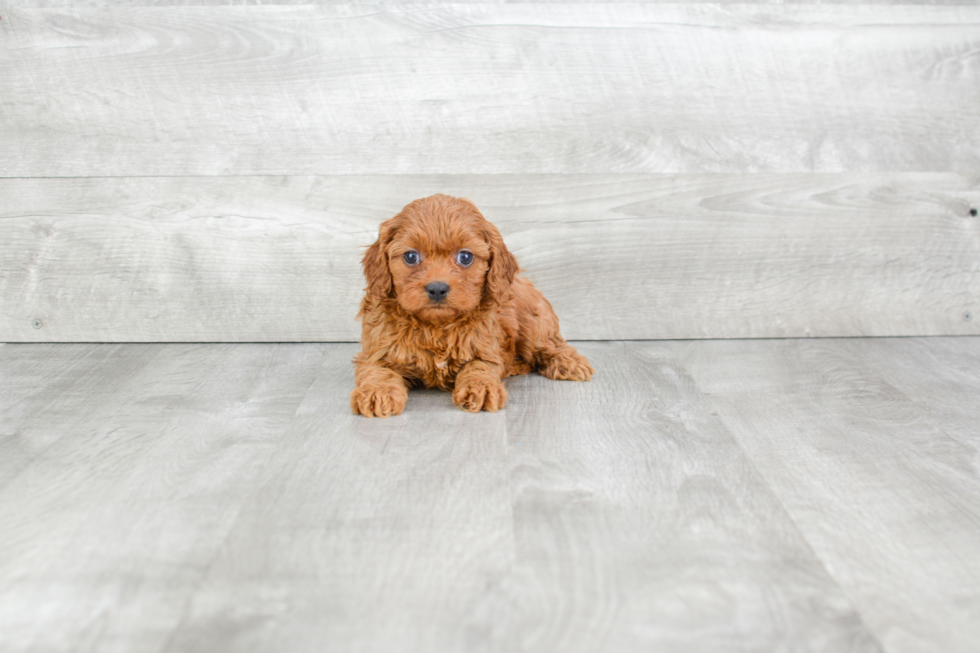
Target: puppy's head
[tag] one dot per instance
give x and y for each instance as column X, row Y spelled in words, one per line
column 440, row 259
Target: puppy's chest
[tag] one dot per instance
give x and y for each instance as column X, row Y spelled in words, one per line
column 434, row 366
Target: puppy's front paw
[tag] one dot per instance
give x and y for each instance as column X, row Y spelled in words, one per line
column 476, row 394
column 378, row 399
column 567, row 365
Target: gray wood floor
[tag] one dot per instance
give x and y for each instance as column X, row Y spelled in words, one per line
column 790, row 495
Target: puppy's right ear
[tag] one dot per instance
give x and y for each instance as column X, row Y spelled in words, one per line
column 375, row 263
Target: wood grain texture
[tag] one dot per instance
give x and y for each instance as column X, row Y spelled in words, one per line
column 489, row 88
column 45, row 393
column 108, row 531
column 619, row 256
column 638, row 521
column 723, row 496
column 872, row 476
column 372, row 535
column 940, row 375
column 440, row 530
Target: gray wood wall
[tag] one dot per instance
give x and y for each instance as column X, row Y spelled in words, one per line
column 210, row 173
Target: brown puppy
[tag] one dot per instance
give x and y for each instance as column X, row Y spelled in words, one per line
column 445, row 309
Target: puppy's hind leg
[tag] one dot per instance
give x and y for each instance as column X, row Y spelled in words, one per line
column 561, row 362
column 539, row 341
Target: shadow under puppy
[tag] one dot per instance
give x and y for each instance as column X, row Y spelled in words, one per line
column 444, row 308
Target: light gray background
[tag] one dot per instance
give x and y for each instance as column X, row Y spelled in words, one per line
column 210, row 173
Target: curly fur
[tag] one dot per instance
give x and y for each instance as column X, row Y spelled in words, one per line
column 492, row 323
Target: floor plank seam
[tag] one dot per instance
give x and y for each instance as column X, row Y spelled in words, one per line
column 871, row 632
column 257, row 488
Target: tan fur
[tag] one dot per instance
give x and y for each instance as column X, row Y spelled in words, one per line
column 491, row 325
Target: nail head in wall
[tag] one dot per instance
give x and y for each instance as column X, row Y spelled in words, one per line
column 968, row 316
column 37, row 324
column 973, row 213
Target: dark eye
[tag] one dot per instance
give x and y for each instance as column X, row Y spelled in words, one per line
column 464, row 258
column 411, row 258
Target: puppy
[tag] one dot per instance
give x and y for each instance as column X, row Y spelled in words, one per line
column 444, row 308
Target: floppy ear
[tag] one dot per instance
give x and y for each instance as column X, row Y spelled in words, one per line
column 375, row 263
column 503, row 265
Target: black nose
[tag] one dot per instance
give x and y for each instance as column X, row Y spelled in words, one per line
column 437, row 291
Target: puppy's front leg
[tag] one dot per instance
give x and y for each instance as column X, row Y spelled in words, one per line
column 479, row 387
column 378, row 391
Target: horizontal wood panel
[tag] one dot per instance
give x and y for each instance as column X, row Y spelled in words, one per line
column 489, row 88
column 619, row 256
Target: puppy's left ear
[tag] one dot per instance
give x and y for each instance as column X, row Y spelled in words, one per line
column 503, row 265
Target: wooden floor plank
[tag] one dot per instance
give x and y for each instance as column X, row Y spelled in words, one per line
column 816, row 495
column 48, row 390
column 641, row 525
column 372, row 535
column 619, row 256
column 578, row 520
column 940, row 376
column 887, row 499
column 108, row 531
column 488, row 88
